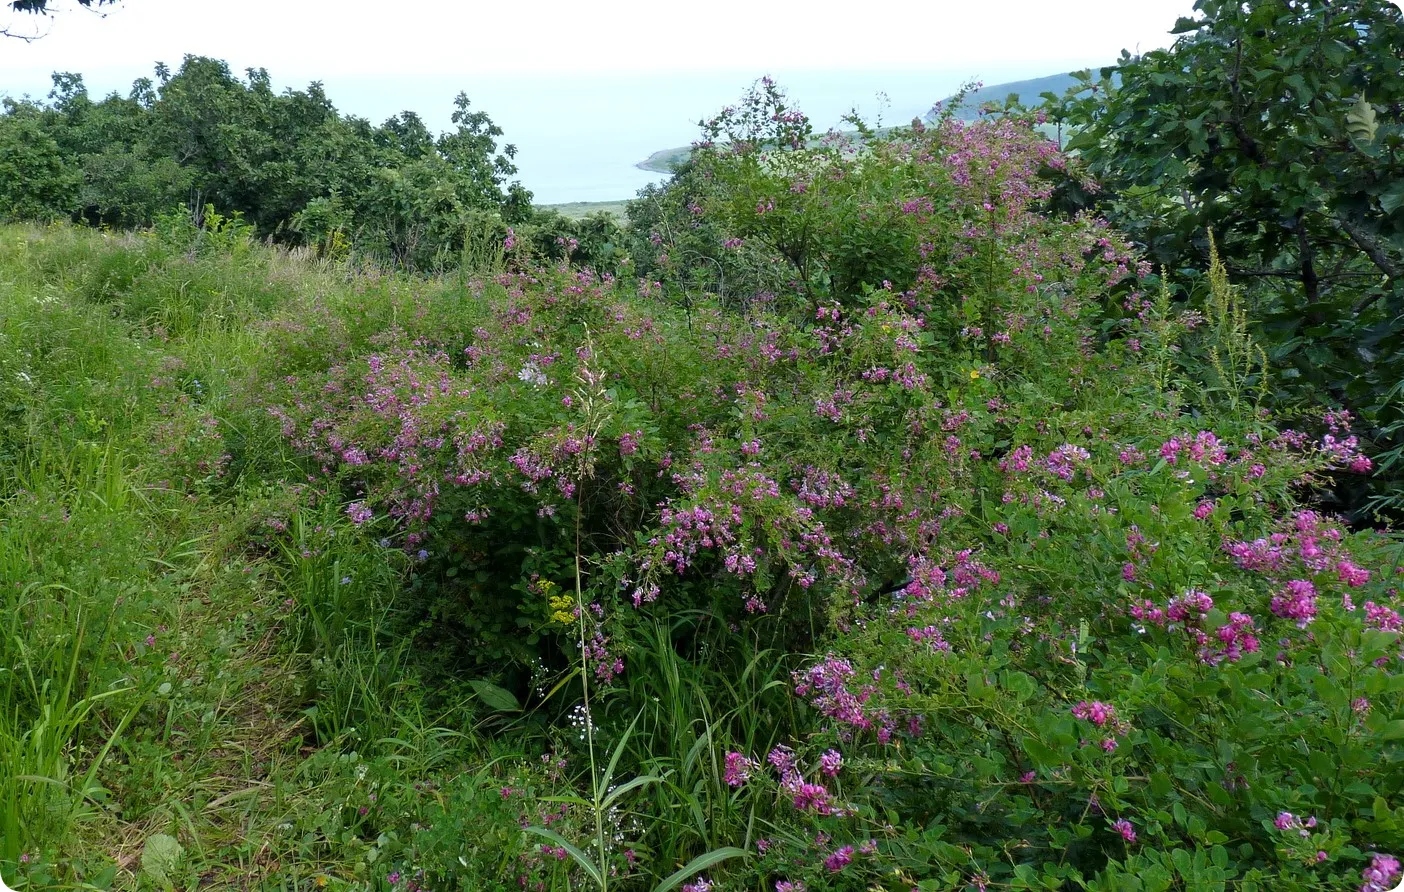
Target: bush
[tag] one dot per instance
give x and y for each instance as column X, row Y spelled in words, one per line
column 1071, row 614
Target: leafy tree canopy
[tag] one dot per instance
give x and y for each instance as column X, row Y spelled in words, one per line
column 1278, row 126
column 290, row 163
column 42, row 6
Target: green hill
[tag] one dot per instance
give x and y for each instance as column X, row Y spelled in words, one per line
column 665, row 160
column 1028, row 92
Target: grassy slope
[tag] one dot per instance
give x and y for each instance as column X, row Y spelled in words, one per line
column 665, row 160
column 1028, row 92
column 574, row 210
column 169, row 654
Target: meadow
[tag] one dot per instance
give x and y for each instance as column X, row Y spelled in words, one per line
column 876, row 513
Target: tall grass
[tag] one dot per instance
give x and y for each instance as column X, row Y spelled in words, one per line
column 222, row 659
column 65, row 694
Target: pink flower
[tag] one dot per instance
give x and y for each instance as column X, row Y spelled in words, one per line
column 1296, row 602
column 1381, row 874
column 1124, row 827
column 831, row 762
column 1352, row 575
column 738, row 769
column 812, row 797
column 359, row 512
column 1096, row 712
column 839, row 859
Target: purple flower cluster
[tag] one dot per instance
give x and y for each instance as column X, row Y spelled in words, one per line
column 1382, row 875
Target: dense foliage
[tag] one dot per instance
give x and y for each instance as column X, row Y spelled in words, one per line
column 289, row 163
column 42, row 6
column 865, row 521
column 1279, row 128
column 911, row 573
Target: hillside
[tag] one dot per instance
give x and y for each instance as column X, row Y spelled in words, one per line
column 1028, row 92
column 666, row 160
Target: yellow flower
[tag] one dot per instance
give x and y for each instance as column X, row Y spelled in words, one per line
column 974, row 374
column 562, row 609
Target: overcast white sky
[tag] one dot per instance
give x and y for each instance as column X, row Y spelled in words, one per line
column 585, row 88
column 299, row 40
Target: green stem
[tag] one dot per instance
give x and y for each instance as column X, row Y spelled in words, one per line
column 596, row 794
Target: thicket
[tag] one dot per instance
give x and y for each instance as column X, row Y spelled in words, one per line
column 289, row 164
column 1279, row 128
column 872, row 524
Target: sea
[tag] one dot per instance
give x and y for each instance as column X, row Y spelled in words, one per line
column 580, row 138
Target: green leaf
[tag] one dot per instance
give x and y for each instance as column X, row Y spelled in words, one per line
column 1020, row 684
column 1184, row 25
column 1181, row 859
column 1393, row 198
column 634, row 784
column 1360, row 121
column 1393, row 731
column 494, row 697
column 585, row 863
column 161, row 858
column 1041, row 753
column 1084, row 139
column 697, row 865
column 614, row 760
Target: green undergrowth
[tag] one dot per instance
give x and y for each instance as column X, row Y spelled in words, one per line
column 896, row 562
column 188, row 697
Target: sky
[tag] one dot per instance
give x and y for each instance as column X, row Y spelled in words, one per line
column 585, row 89
column 305, row 39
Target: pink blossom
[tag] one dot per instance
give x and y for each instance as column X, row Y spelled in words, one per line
column 738, row 769
column 359, row 512
column 1381, row 874
column 1096, row 712
column 839, row 859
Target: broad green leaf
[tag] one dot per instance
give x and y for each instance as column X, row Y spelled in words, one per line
column 697, row 865
column 1392, row 731
column 1360, row 121
column 634, row 784
column 1392, row 199
column 495, row 697
column 585, row 863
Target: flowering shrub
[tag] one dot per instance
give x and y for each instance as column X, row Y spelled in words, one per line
column 1073, row 618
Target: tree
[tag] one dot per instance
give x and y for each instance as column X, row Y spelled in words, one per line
column 35, row 184
column 40, row 8
column 288, row 162
column 1277, row 125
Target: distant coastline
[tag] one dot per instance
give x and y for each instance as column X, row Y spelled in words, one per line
column 665, row 161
